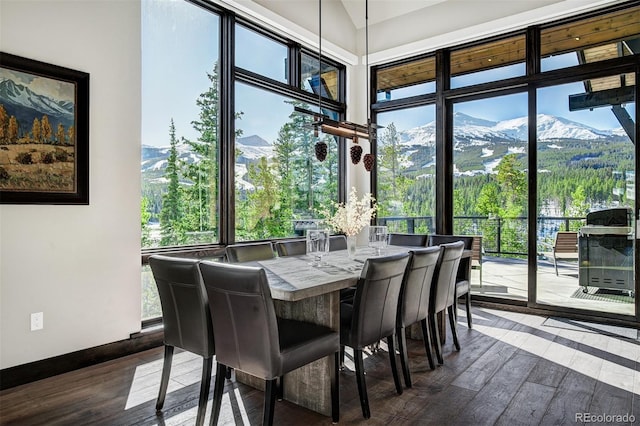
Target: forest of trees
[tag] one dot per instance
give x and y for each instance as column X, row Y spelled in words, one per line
column 292, row 184
column 41, row 131
column 584, row 176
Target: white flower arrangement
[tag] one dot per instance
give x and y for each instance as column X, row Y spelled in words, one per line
column 352, row 217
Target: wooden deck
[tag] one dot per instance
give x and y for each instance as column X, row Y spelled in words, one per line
column 513, row 369
column 503, row 277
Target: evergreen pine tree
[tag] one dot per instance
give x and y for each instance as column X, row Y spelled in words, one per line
column 171, row 216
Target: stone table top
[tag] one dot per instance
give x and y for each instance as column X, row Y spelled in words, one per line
column 293, row 278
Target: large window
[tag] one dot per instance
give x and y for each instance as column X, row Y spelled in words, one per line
column 279, row 180
column 260, row 54
column 490, row 187
column 180, row 92
column 184, row 137
column 263, row 152
column 586, row 164
column 524, row 149
column 406, row 169
column 180, row 69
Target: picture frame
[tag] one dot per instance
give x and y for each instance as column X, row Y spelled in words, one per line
column 44, row 133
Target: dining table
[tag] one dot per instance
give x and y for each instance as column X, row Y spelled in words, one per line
column 304, row 290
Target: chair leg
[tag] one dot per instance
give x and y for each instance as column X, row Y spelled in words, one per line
column 468, row 303
column 228, row 373
column 335, row 389
column 269, row 401
column 433, row 323
column 362, row 386
column 555, row 265
column 280, row 388
column 204, row 389
column 427, row 343
column 404, row 359
column 218, row 388
column 454, row 328
column 394, row 366
column 166, row 371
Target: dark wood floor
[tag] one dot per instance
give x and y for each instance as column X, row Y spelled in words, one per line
column 512, row 370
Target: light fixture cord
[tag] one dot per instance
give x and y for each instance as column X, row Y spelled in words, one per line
column 320, row 57
column 366, row 52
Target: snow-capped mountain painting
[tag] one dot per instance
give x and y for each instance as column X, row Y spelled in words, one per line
column 26, row 104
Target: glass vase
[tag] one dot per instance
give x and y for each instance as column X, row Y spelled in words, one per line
column 351, row 245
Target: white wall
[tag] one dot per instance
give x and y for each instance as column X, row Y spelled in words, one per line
column 80, row 265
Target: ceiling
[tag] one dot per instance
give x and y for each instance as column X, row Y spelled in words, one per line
column 382, row 10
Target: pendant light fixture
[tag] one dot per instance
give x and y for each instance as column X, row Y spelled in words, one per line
column 345, row 129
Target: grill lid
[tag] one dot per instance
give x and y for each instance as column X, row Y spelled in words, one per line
column 610, row 217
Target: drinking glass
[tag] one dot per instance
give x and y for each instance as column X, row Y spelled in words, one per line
column 317, row 244
column 378, row 238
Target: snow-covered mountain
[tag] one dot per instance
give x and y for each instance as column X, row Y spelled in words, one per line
column 468, row 129
column 252, row 148
column 154, row 159
column 25, row 104
column 489, row 140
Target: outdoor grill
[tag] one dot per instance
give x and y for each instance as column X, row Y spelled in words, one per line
column 605, row 250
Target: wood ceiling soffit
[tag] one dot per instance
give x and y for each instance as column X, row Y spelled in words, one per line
column 406, row 74
column 595, row 37
column 488, row 55
column 596, row 31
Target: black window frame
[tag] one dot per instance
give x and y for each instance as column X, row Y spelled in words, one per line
column 444, row 98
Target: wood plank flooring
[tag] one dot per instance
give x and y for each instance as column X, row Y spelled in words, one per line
column 512, row 370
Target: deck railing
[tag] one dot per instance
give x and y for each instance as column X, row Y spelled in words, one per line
column 500, row 236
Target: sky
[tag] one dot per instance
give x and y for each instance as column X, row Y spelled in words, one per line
column 180, row 46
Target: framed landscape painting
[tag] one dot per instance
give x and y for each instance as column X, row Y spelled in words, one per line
column 44, row 133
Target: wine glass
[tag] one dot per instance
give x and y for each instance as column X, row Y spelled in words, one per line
column 378, row 238
column 317, row 244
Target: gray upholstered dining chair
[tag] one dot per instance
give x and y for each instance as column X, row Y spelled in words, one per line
column 463, row 276
column 413, row 303
column 409, row 240
column 291, row 247
column 371, row 315
column 443, row 293
column 248, row 252
column 186, row 319
column 337, row 242
column 250, row 337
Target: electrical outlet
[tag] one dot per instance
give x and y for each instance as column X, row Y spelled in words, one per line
column 37, row 321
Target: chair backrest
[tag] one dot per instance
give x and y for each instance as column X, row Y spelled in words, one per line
column 291, row 247
column 416, row 285
column 566, row 242
column 468, row 240
column 243, row 316
column 337, row 242
column 185, row 306
column 237, row 253
column 375, row 303
column 437, row 239
column 443, row 289
column 411, row 240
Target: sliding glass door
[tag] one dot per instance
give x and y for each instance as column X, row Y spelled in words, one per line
column 490, row 190
column 586, row 194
